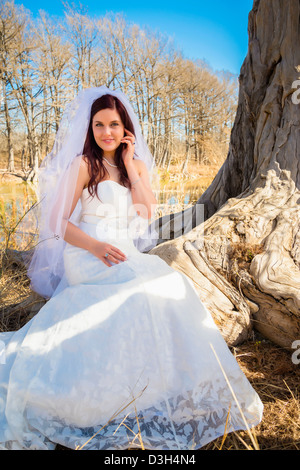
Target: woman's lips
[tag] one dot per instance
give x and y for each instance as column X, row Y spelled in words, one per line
column 107, row 141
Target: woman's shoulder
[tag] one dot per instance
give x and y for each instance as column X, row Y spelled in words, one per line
column 84, row 170
column 85, row 165
column 84, row 162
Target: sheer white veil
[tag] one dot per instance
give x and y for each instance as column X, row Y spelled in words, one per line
column 57, row 178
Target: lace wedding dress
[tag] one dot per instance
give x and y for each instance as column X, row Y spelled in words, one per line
column 121, row 349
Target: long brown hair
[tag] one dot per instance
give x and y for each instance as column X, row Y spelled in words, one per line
column 94, row 153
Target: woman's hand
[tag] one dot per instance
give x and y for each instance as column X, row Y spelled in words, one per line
column 128, row 151
column 99, row 249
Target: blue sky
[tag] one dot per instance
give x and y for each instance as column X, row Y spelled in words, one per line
column 215, row 30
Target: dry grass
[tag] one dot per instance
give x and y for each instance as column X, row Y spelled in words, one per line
column 268, row 367
column 276, row 379
column 194, row 182
column 14, row 289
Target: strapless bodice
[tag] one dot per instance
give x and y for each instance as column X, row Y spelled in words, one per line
column 112, row 201
column 110, row 216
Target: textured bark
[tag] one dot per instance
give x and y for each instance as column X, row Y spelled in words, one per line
column 245, row 260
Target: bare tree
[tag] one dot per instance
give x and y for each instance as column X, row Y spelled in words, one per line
column 180, row 104
column 52, row 61
column 12, row 21
column 81, row 32
column 27, row 93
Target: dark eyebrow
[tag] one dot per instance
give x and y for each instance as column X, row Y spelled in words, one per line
column 100, row 122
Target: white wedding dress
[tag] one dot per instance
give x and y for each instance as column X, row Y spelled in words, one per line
column 121, row 349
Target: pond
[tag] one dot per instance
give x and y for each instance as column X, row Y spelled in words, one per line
column 15, row 201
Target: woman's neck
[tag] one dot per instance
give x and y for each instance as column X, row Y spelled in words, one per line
column 110, row 157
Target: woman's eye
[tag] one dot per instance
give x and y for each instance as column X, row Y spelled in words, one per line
column 114, row 124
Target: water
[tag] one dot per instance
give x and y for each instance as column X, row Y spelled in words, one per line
column 15, row 200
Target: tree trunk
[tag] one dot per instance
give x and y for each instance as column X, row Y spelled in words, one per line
column 32, row 176
column 10, row 150
column 11, row 159
column 244, row 258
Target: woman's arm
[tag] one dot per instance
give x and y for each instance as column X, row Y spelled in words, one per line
column 141, row 191
column 143, row 198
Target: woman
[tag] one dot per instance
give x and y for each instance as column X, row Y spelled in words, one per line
column 106, row 159
column 124, row 344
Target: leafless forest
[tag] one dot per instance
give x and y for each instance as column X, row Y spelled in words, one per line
column 186, row 110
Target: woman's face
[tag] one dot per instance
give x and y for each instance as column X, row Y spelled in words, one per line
column 108, row 130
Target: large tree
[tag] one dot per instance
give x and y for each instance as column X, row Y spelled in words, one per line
column 244, row 259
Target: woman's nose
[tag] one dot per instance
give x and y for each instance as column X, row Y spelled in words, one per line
column 106, row 130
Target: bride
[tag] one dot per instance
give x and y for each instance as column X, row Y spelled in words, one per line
column 123, row 354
